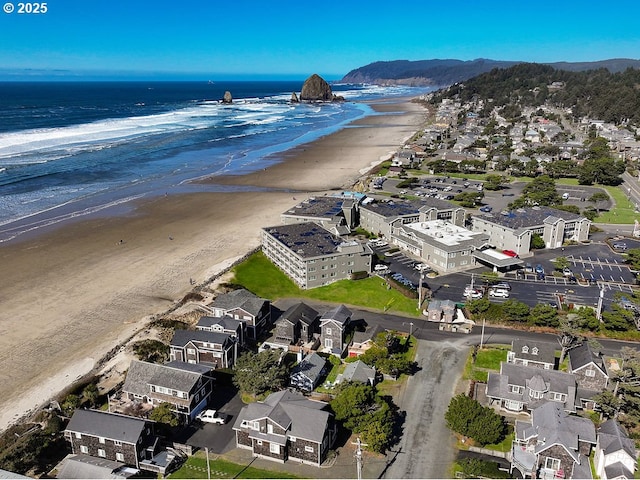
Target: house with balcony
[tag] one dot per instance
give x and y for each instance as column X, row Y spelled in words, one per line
column 334, row 326
column 236, row 328
column 553, row 444
column 218, row 350
column 186, row 386
column 286, row 426
column 243, row 305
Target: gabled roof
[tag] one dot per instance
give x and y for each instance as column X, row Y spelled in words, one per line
column 311, row 367
column 113, row 426
column 546, row 352
column 240, row 298
column 529, row 217
column 339, row 314
column 582, row 355
column 175, row 375
column 226, row 322
column 613, row 438
column 305, row 418
column 358, row 371
column 618, row 470
column 182, row 337
column 300, row 312
column 85, row 466
column 368, row 335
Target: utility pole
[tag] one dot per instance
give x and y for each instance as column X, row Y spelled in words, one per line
column 482, row 334
column 358, row 456
column 206, row 449
column 600, row 299
column 420, row 290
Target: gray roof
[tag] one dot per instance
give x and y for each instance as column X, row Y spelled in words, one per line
column 310, row 240
column 182, row 337
column 368, row 334
column 175, row 375
column 321, row 207
column 6, row 474
column 618, row 470
column 86, row 466
column 301, row 417
column 311, row 367
column 436, row 304
column 526, row 376
column 546, row 352
column 407, row 208
column 582, row 355
column 339, row 314
column 113, row 426
column 226, row 322
column 359, row 371
column 240, row 298
column 529, row 217
column 300, row 312
column 613, row 438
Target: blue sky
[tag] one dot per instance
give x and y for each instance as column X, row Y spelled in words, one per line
column 209, row 39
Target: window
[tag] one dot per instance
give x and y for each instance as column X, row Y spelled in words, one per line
column 517, row 389
column 269, row 428
column 259, row 442
column 274, row 448
column 119, row 457
column 101, row 439
column 558, row 397
column 102, row 453
column 525, row 349
column 78, row 435
column 552, row 463
column 292, row 439
column 534, row 351
column 84, row 449
column 308, row 448
column 328, row 330
column 590, row 373
column 117, row 443
column 328, row 342
column 191, row 351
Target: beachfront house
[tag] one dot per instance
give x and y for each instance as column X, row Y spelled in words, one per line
column 235, row 327
column 553, row 444
column 296, row 325
column 119, row 438
column 243, row 305
column 186, row 386
column 218, row 350
column 286, row 426
column 307, row 374
column 312, row 256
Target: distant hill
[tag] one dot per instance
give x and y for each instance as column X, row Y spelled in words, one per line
column 441, row 73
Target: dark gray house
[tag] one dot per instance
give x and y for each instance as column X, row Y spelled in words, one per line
column 186, row 386
column 306, row 375
column 219, row 350
column 333, row 330
column 243, row 305
column 590, row 372
column 533, row 354
column 226, row 324
column 297, row 325
column 553, row 444
column 358, row 371
column 286, row 426
column 119, row 438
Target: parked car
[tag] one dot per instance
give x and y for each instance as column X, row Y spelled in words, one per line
column 621, row 246
column 486, row 209
column 499, row 292
column 502, row 285
column 566, row 271
column 539, row 269
column 381, row 243
column 421, row 267
column 510, row 253
column 528, row 268
column 474, row 294
column 380, row 267
column 565, row 196
column 212, row 416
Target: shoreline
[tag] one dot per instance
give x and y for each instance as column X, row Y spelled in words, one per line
column 75, row 292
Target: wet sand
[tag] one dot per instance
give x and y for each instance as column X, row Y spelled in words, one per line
column 70, row 295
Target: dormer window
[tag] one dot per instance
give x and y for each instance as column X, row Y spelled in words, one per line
column 525, row 349
column 534, row 351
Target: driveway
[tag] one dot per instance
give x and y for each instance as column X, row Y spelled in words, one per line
column 427, row 448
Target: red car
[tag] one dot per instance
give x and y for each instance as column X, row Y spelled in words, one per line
column 510, row 253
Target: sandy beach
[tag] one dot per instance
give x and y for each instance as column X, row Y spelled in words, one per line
column 71, row 295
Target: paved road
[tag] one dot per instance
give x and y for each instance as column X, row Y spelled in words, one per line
column 427, row 448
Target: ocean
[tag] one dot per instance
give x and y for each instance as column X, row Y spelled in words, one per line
column 73, row 149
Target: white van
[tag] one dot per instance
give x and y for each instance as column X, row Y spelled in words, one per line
column 565, row 196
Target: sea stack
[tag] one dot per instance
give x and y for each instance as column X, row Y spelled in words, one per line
column 227, row 97
column 316, row 89
column 294, row 98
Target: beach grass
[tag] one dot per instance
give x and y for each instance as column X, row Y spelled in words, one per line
column 258, row 275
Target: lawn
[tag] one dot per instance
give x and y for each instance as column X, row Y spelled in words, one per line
column 488, row 359
column 196, row 467
column 258, row 275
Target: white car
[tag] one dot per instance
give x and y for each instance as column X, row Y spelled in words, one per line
column 473, row 294
column 422, row 267
column 212, row 416
column 499, row 292
column 380, row 267
column 381, row 243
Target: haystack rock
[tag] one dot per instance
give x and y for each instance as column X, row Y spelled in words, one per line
column 294, row 98
column 227, row 97
column 315, row 89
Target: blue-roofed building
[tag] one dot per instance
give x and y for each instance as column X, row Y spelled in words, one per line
column 512, row 230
